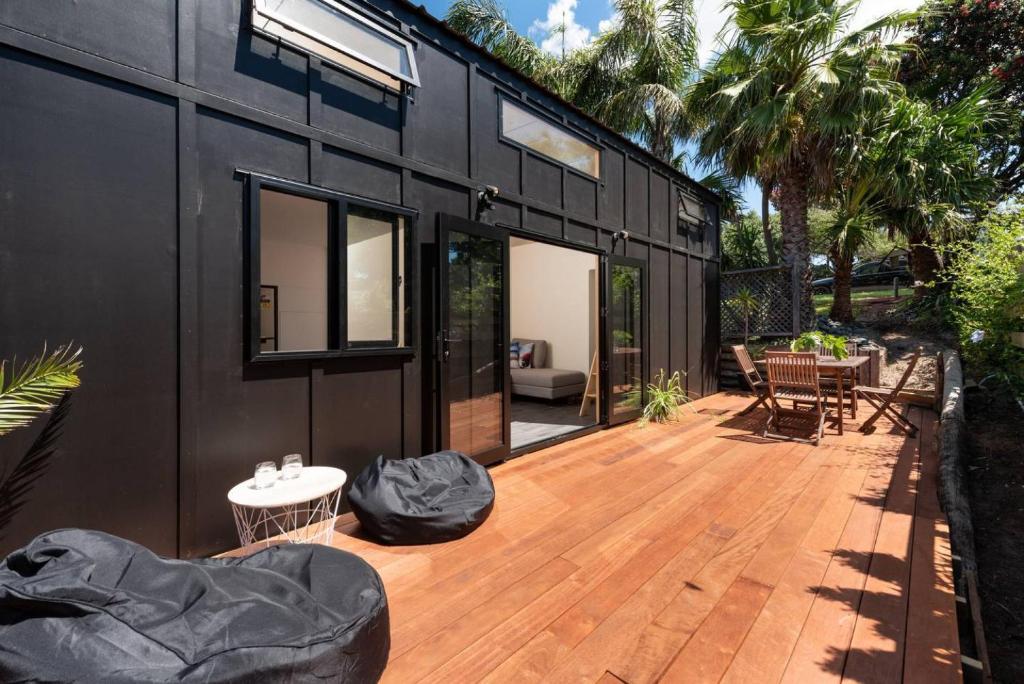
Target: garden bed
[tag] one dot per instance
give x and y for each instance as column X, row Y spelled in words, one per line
column 996, row 485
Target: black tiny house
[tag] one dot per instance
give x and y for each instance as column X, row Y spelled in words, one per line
column 155, row 158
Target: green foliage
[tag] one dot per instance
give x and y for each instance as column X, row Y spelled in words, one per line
column 36, row 386
column 746, row 304
column 791, row 80
column 744, row 300
column 834, row 345
column 486, row 23
column 664, row 397
column 962, row 44
column 987, row 278
column 743, row 243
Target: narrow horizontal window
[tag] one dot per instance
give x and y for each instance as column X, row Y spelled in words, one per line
column 530, row 130
column 339, row 35
column 328, row 272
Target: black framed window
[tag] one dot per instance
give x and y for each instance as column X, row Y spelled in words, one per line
column 339, row 35
column 522, row 126
column 328, row 273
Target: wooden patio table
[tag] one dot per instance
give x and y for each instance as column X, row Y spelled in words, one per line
column 839, row 368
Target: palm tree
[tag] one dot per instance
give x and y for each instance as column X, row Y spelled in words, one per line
column 912, row 169
column 934, row 173
column 633, row 77
column 856, row 227
column 746, row 303
column 36, row 386
column 486, row 23
column 791, row 81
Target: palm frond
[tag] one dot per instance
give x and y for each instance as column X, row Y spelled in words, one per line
column 37, row 386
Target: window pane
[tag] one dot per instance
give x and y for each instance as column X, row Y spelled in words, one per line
column 375, row 298
column 534, row 132
column 627, row 339
column 337, row 29
column 293, row 272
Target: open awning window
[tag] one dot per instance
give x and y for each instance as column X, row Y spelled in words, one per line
column 691, row 209
column 339, row 35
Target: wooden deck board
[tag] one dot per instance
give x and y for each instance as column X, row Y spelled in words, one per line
column 694, row 551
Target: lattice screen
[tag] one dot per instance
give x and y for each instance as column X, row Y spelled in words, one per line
column 773, row 289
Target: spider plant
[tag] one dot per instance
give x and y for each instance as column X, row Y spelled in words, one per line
column 36, row 386
column 664, row 397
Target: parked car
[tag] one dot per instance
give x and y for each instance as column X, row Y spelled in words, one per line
column 871, row 273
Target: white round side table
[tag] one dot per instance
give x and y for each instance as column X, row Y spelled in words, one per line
column 299, row 511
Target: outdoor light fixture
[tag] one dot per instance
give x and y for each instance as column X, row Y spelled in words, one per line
column 485, row 201
column 619, row 235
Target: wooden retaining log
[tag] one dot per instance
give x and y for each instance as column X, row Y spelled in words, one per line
column 955, row 501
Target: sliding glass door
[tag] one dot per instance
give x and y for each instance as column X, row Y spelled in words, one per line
column 475, row 400
column 626, row 340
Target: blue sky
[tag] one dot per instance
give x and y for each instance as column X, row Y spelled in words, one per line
column 585, row 19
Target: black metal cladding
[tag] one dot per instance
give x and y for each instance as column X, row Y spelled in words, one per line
column 123, row 130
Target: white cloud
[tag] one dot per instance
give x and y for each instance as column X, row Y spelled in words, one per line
column 560, row 13
column 713, row 14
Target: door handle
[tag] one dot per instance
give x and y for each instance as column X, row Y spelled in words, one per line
column 445, row 348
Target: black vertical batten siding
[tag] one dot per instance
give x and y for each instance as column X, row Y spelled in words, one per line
column 125, row 232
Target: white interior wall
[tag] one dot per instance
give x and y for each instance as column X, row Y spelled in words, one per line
column 293, row 256
column 552, row 298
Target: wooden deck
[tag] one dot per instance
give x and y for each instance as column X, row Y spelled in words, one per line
column 689, row 552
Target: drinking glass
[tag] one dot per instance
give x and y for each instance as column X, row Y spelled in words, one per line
column 265, row 475
column 291, row 466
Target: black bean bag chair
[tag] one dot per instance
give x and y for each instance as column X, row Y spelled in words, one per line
column 79, row 605
column 425, row 500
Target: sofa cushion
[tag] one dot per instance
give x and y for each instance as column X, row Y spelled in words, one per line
column 540, row 351
column 547, row 377
column 526, row 355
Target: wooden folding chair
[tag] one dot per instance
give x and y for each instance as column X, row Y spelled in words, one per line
column 757, row 385
column 882, row 398
column 793, row 377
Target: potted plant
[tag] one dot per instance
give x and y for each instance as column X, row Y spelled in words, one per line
column 664, row 397
column 833, row 345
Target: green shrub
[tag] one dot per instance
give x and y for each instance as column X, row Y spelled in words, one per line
column 664, row 397
column 986, row 277
column 812, row 341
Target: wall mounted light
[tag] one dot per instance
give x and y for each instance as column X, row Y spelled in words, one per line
column 485, row 201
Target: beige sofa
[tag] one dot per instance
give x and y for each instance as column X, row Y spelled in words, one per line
column 542, row 382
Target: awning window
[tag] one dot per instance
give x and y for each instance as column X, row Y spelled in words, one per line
column 339, row 35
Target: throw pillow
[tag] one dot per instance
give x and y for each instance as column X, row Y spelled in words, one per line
column 526, row 355
column 513, row 355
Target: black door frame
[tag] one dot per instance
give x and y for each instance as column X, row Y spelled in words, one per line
column 602, row 347
column 446, row 224
column 610, row 417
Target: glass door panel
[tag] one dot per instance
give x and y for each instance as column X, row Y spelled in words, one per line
column 474, row 354
column 626, row 344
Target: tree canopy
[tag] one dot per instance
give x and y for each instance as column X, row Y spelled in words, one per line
column 962, row 44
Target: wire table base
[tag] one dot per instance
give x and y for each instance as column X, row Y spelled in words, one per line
column 308, row 522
